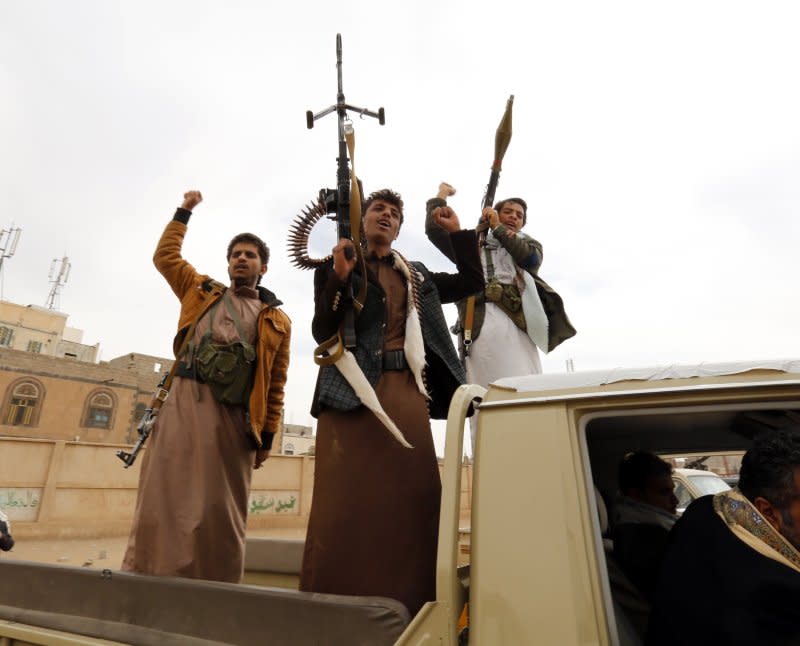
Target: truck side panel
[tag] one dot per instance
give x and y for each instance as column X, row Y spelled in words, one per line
column 532, row 575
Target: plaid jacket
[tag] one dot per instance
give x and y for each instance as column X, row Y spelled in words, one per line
column 444, row 372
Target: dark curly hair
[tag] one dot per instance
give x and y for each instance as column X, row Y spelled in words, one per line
column 768, row 466
column 637, row 468
column 385, row 195
column 250, row 238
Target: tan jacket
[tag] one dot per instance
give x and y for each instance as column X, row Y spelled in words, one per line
column 197, row 293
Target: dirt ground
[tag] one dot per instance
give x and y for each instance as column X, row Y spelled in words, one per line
column 100, row 553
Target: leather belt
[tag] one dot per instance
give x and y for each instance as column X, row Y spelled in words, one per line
column 394, row 360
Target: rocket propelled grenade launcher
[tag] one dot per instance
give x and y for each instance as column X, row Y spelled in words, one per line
column 501, row 140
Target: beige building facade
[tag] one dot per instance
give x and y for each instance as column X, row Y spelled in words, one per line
column 297, row 440
column 38, row 330
column 65, row 399
column 52, row 386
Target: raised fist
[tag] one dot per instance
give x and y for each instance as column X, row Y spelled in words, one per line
column 191, row 199
column 445, row 191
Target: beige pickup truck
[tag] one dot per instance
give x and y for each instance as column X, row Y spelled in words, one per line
column 540, row 571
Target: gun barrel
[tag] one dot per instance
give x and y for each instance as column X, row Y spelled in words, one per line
column 491, row 188
column 340, row 94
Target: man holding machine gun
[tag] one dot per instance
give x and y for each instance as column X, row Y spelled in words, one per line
column 375, row 513
column 223, row 409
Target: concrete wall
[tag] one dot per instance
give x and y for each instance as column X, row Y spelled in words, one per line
column 52, row 488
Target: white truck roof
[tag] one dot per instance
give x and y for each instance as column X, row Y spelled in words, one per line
column 569, row 380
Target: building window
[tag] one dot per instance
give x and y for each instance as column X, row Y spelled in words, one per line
column 6, row 334
column 23, row 404
column 288, row 449
column 35, row 346
column 99, row 410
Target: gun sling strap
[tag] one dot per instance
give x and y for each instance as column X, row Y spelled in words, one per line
column 160, row 396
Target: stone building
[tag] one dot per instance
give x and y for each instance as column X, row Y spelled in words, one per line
column 296, row 440
column 35, row 329
column 64, row 399
column 53, row 388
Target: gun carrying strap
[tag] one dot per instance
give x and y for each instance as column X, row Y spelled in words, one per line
column 329, row 351
column 469, row 317
column 237, row 321
column 160, row 395
column 469, row 313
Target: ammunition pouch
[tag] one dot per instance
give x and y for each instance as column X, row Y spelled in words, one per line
column 227, row 369
column 493, row 292
column 507, row 297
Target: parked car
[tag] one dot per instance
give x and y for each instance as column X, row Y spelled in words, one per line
column 693, row 483
column 733, row 481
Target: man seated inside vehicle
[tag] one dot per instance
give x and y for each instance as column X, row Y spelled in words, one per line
column 644, row 514
column 731, row 573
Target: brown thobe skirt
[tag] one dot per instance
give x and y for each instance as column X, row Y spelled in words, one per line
column 375, row 515
column 191, row 510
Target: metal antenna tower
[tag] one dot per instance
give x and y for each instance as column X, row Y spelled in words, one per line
column 59, row 274
column 9, row 238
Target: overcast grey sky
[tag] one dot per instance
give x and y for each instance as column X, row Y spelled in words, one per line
column 657, row 145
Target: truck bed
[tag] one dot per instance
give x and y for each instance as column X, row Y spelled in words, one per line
column 119, row 607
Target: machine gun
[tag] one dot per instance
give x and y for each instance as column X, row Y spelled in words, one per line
column 342, row 203
column 338, row 200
